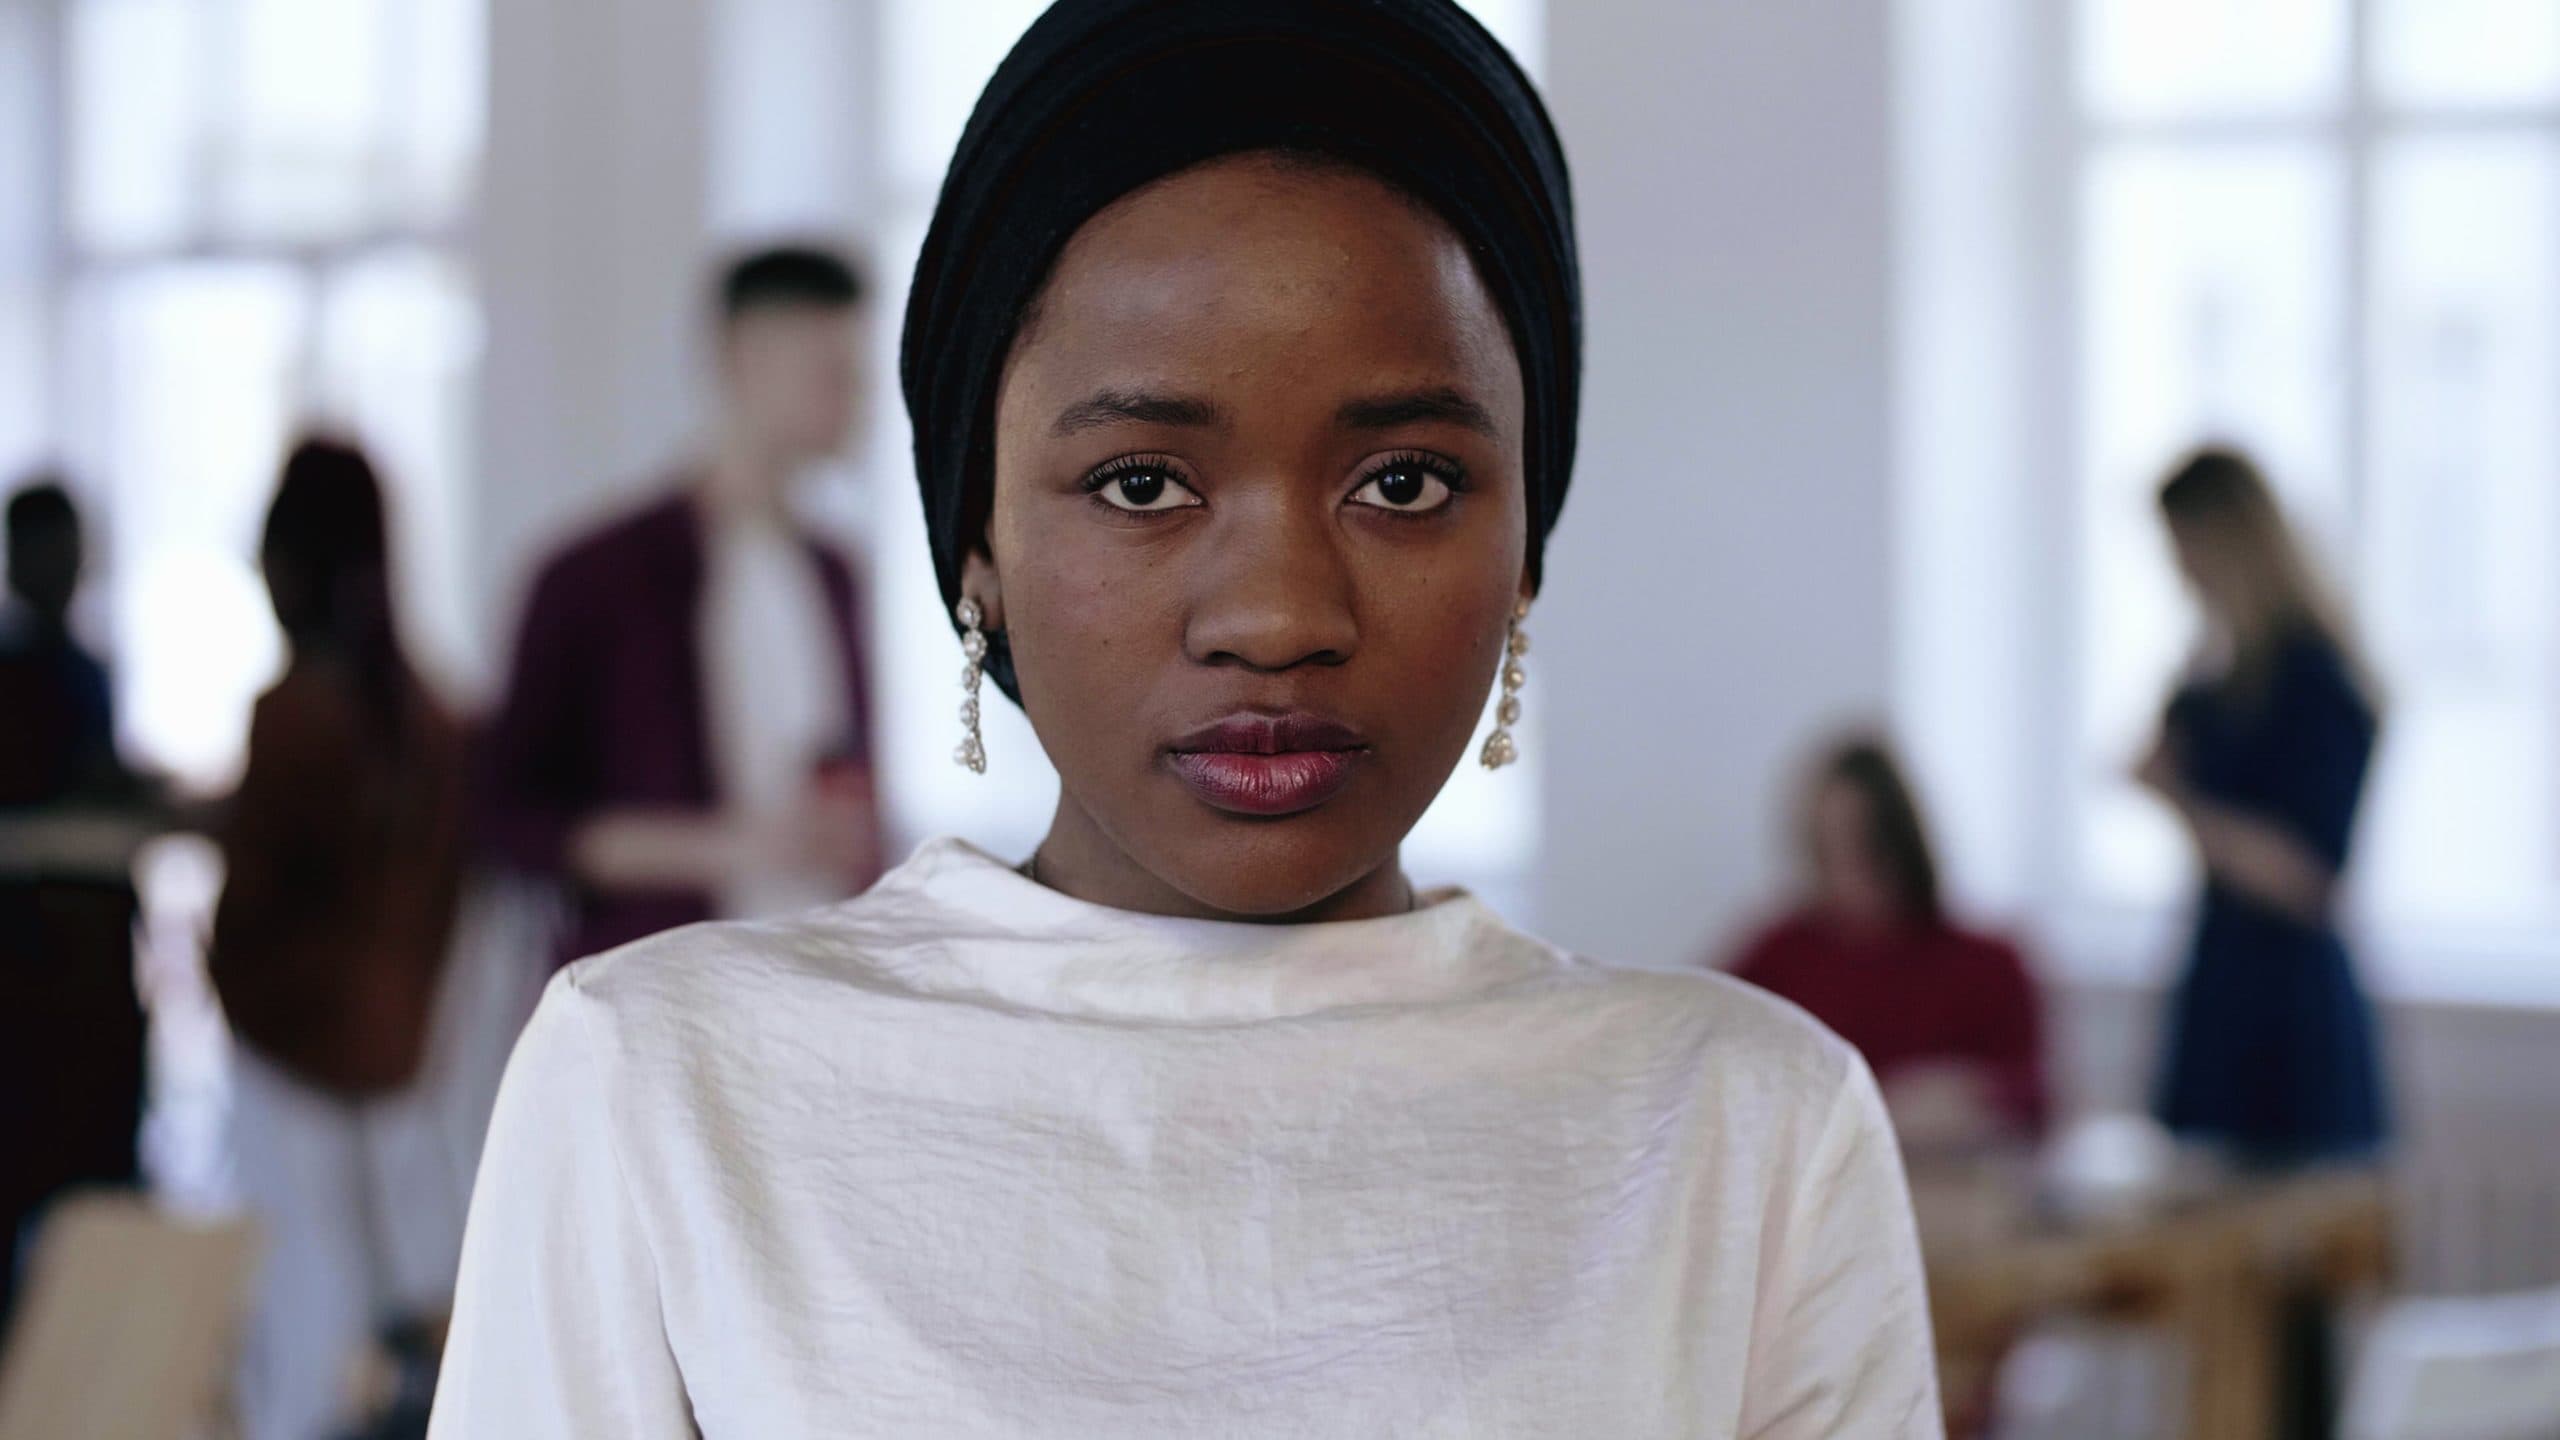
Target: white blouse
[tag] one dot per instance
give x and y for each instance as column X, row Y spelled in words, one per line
column 775, row 702
column 967, row 1157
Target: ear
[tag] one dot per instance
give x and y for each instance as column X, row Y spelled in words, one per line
column 980, row 582
column 1527, row 597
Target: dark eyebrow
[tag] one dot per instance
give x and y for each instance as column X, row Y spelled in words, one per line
column 1383, row 412
column 1114, row 407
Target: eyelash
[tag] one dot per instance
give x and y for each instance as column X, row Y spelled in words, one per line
column 1448, row 472
column 1440, row 467
column 1127, row 465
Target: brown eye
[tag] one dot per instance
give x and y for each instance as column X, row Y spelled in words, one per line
column 1142, row 489
column 1404, row 486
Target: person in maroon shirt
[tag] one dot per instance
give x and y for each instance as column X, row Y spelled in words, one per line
column 1949, row 1019
column 601, row 769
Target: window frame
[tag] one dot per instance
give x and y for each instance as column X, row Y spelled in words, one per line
column 2119, row 937
column 78, row 412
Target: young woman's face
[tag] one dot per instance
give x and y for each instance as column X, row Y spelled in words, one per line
column 1259, row 524
column 2205, row 563
column 1851, row 878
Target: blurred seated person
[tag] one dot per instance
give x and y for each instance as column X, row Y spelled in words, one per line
column 1948, row 1018
column 342, row 856
column 71, row 1026
column 684, row 731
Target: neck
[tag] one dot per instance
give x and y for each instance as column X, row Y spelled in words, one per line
column 1078, row 859
column 745, row 478
column 1861, row 921
column 45, row 621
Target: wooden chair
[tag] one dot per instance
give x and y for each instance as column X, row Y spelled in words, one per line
column 128, row 1325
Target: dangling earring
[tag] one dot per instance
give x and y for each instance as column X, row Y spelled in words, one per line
column 972, row 754
column 1499, row 748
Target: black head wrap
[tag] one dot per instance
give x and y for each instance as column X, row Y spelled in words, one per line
column 1101, row 97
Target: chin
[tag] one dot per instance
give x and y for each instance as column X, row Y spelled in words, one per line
column 823, row 442
column 1267, row 869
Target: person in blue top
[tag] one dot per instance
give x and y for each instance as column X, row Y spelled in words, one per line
column 2263, row 754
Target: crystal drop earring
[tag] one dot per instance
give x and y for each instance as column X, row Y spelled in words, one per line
column 972, row 754
column 1499, row 748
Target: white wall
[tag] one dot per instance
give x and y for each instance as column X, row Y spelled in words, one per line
column 1718, row 592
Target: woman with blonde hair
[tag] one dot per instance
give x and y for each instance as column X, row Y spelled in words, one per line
column 2263, row 756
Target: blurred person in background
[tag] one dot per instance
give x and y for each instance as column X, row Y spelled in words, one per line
column 1949, row 1018
column 343, row 853
column 2262, row 755
column 71, row 1027
column 685, row 731
column 57, row 683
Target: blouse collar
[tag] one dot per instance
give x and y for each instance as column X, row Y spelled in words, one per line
column 957, row 921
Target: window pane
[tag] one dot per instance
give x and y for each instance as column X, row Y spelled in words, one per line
column 399, row 340
column 303, row 130
column 136, row 103
column 787, row 134
column 25, row 248
column 2461, row 538
column 2156, row 59
column 436, row 103
column 939, row 58
column 2210, row 293
column 2467, row 52
column 200, row 358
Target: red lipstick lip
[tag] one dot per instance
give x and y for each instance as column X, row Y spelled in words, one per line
column 1267, row 765
column 1257, row 734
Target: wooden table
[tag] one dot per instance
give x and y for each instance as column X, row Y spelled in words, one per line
column 2214, row 1271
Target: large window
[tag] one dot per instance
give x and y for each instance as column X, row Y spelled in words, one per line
column 935, row 58
column 2329, row 230
column 260, row 210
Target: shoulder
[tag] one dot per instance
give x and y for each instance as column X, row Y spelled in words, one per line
column 624, row 546
column 1773, row 942
column 717, row 984
column 1726, row 1032
column 1755, row 1090
column 311, row 703
column 2322, row 700
column 1983, row 949
column 2310, row 665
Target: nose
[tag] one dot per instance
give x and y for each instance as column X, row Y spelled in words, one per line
column 1275, row 590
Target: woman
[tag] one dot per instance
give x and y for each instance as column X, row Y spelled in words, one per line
column 1948, row 1018
column 2263, row 758
column 342, row 855
column 1242, row 355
